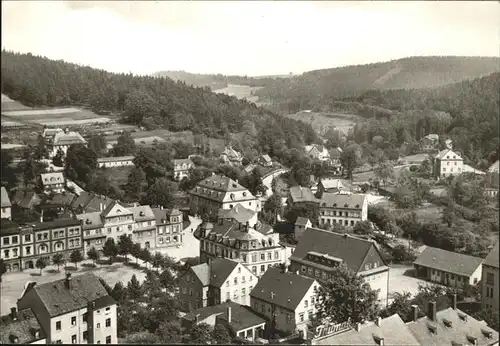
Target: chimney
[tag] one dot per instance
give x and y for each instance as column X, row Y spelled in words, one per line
column 378, row 321
column 101, row 208
column 13, row 314
column 414, row 310
column 358, row 327
column 196, row 319
column 431, row 311
column 67, row 282
column 454, row 301
column 229, row 314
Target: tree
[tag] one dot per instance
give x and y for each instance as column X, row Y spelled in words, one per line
column 97, row 143
column 110, row 249
column 30, row 167
column 200, row 334
column 402, row 254
column 100, row 182
column 58, row 159
column 363, row 227
column 145, row 256
column 125, row 245
column 40, row 264
column 346, row 295
column 81, row 162
column 401, row 305
column 145, row 338
column 119, row 293
column 171, row 332
column 58, row 260
column 93, row 254
column 384, row 171
column 308, row 210
column 161, row 193
column 350, row 159
column 9, row 177
column 125, row 145
column 490, row 316
column 448, row 215
column 136, row 251
column 157, row 260
column 134, row 288
column 41, row 150
column 221, row 335
column 76, row 257
column 136, row 183
column 105, row 285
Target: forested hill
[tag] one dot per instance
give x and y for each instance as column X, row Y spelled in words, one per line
column 315, row 88
column 153, row 102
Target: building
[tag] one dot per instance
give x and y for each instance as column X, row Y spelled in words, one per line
column 245, row 323
column 207, row 145
column 489, row 280
column 287, row 300
column 59, row 140
column 144, row 231
column 494, row 167
column 336, row 167
column 317, row 152
column 25, row 199
column 256, row 247
column 301, row 224
column 181, row 168
column 448, row 144
column 450, row 326
column 53, row 182
column 265, row 160
column 238, row 213
column 10, row 245
column 169, row 226
column 118, row 161
column 216, row 282
column 73, row 310
column 21, row 327
column 389, row 331
column 88, row 202
column 332, row 185
column 6, row 205
column 345, row 209
column 299, row 194
column 429, row 142
column 220, row 192
column 448, row 268
column 249, row 168
column 447, row 163
column 231, row 156
column 318, row 252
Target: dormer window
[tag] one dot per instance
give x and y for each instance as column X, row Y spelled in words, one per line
column 472, row 339
column 357, row 205
column 88, row 221
column 346, row 205
column 334, row 204
column 324, row 204
column 432, row 328
column 141, row 213
column 487, row 333
column 447, row 323
column 244, row 194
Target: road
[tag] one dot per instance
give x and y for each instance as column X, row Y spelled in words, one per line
column 267, row 181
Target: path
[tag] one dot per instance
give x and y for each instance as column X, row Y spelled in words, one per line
column 268, row 180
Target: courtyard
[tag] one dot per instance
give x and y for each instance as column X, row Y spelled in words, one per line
column 401, row 280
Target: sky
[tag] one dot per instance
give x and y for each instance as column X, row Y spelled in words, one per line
column 246, row 37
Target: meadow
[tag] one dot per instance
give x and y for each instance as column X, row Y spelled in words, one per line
column 240, row 91
column 321, row 122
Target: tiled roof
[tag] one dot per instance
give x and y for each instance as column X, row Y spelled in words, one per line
column 59, row 300
column 266, row 158
column 456, row 334
column 283, row 289
column 333, row 183
column 302, row 194
column 62, row 138
column 492, row 258
column 220, row 269
column 115, row 159
column 249, row 168
column 242, row 317
column 91, row 202
column 4, row 198
column 351, row 250
column 302, row 221
column 202, row 271
column 448, row 261
column 38, row 226
column 392, row 329
column 238, row 213
column 432, row 136
column 142, row 213
column 26, row 199
column 51, row 132
column 121, row 208
column 216, row 187
column 232, row 154
column 52, row 178
column 24, row 328
column 162, row 215
column 233, row 230
column 63, row 199
column 443, row 154
column 494, row 167
column 180, row 162
column 91, row 220
column 7, row 227
column 348, row 201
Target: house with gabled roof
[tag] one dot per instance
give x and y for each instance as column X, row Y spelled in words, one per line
column 58, row 140
column 169, row 224
column 73, row 310
column 286, row 299
column 88, row 202
column 333, row 185
column 6, row 205
column 490, row 280
column 21, row 327
column 238, row 213
column 318, row 252
column 301, row 224
column 25, row 199
column 447, row 163
column 448, row 268
column 216, row 282
column 342, row 208
column 53, row 182
column 318, row 152
column 231, row 156
column 144, row 231
column 429, row 142
column 300, row 194
column 181, row 168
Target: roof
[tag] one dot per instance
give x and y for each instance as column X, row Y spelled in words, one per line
column 231, row 153
column 351, row 250
column 38, row 226
column 302, row 221
column 266, row 158
column 392, row 329
column 457, row 333
column 216, row 187
column 340, row 200
column 333, row 183
column 444, row 154
column 4, row 198
column 115, row 159
column 233, row 231
column 470, row 169
column 220, row 269
column 142, row 213
column 71, row 137
column 91, row 202
column 432, row 136
column 52, row 178
column 283, row 289
column 187, row 162
column 59, row 300
column 7, row 227
column 494, row 167
column 162, row 215
column 448, row 261
column 63, row 199
column 26, row 199
column 238, row 213
column 302, row 194
column 24, row 328
column 202, row 272
column 492, row 258
column 90, row 220
column 249, row 168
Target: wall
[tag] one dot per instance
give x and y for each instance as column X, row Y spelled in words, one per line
column 245, row 281
column 165, row 234
column 307, row 307
column 492, row 298
column 6, row 213
column 192, row 293
column 379, row 281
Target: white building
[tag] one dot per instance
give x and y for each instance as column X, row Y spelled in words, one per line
column 53, row 182
column 118, row 161
column 447, row 163
column 6, row 205
column 57, row 139
column 317, row 152
column 345, row 209
column 181, row 168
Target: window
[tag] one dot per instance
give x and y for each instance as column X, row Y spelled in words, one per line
column 27, row 237
column 236, row 281
column 301, row 317
column 108, row 339
column 254, row 270
column 6, row 241
column 108, row 322
column 243, row 292
column 244, row 257
column 306, row 303
column 227, row 283
column 14, row 239
column 254, row 257
column 73, row 320
column 304, row 269
column 58, row 325
column 269, row 256
column 85, row 317
column 490, row 278
column 73, row 339
column 317, row 272
column 289, row 318
column 239, row 270
column 85, row 335
column 262, row 268
column 309, row 271
column 228, row 295
column 98, row 325
column 6, row 253
column 28, row 250
column 242, row 279
column 276, row 255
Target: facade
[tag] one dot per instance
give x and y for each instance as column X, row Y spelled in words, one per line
column 118, row 161
column 450, row 326
column 265, row 160
column 181, row 168
column 343, row 208
column 231, row 156
column 169, row 227
column 245, row 323
column 22, row 246
column 448, row 268
column 317, row 152
column 53, row 182
column 144, row 231
column 335, row 163
column 429, row 142
column 318, row 252
column 21, row 327
column 220, row 281
column 256, row 247
column 287, row 300
column 301, row 224
column 490, row 280
column 220, row 192
column 73, row 310
column 5, row 204
column 59, row 140
column 447, row 163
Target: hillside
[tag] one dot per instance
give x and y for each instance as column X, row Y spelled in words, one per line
column 152, row 102
column 317, row 88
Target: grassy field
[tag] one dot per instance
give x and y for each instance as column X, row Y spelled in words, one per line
column 56, row 116
column 430, row 213
column 240, row 91
column 148, row 137
column 321, row 122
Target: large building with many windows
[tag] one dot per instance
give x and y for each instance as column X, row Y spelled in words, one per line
column 74, row 310
column 220, row 192
column 490, row 280
column 447, row 163
column 343, row 208
column 169, row 226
